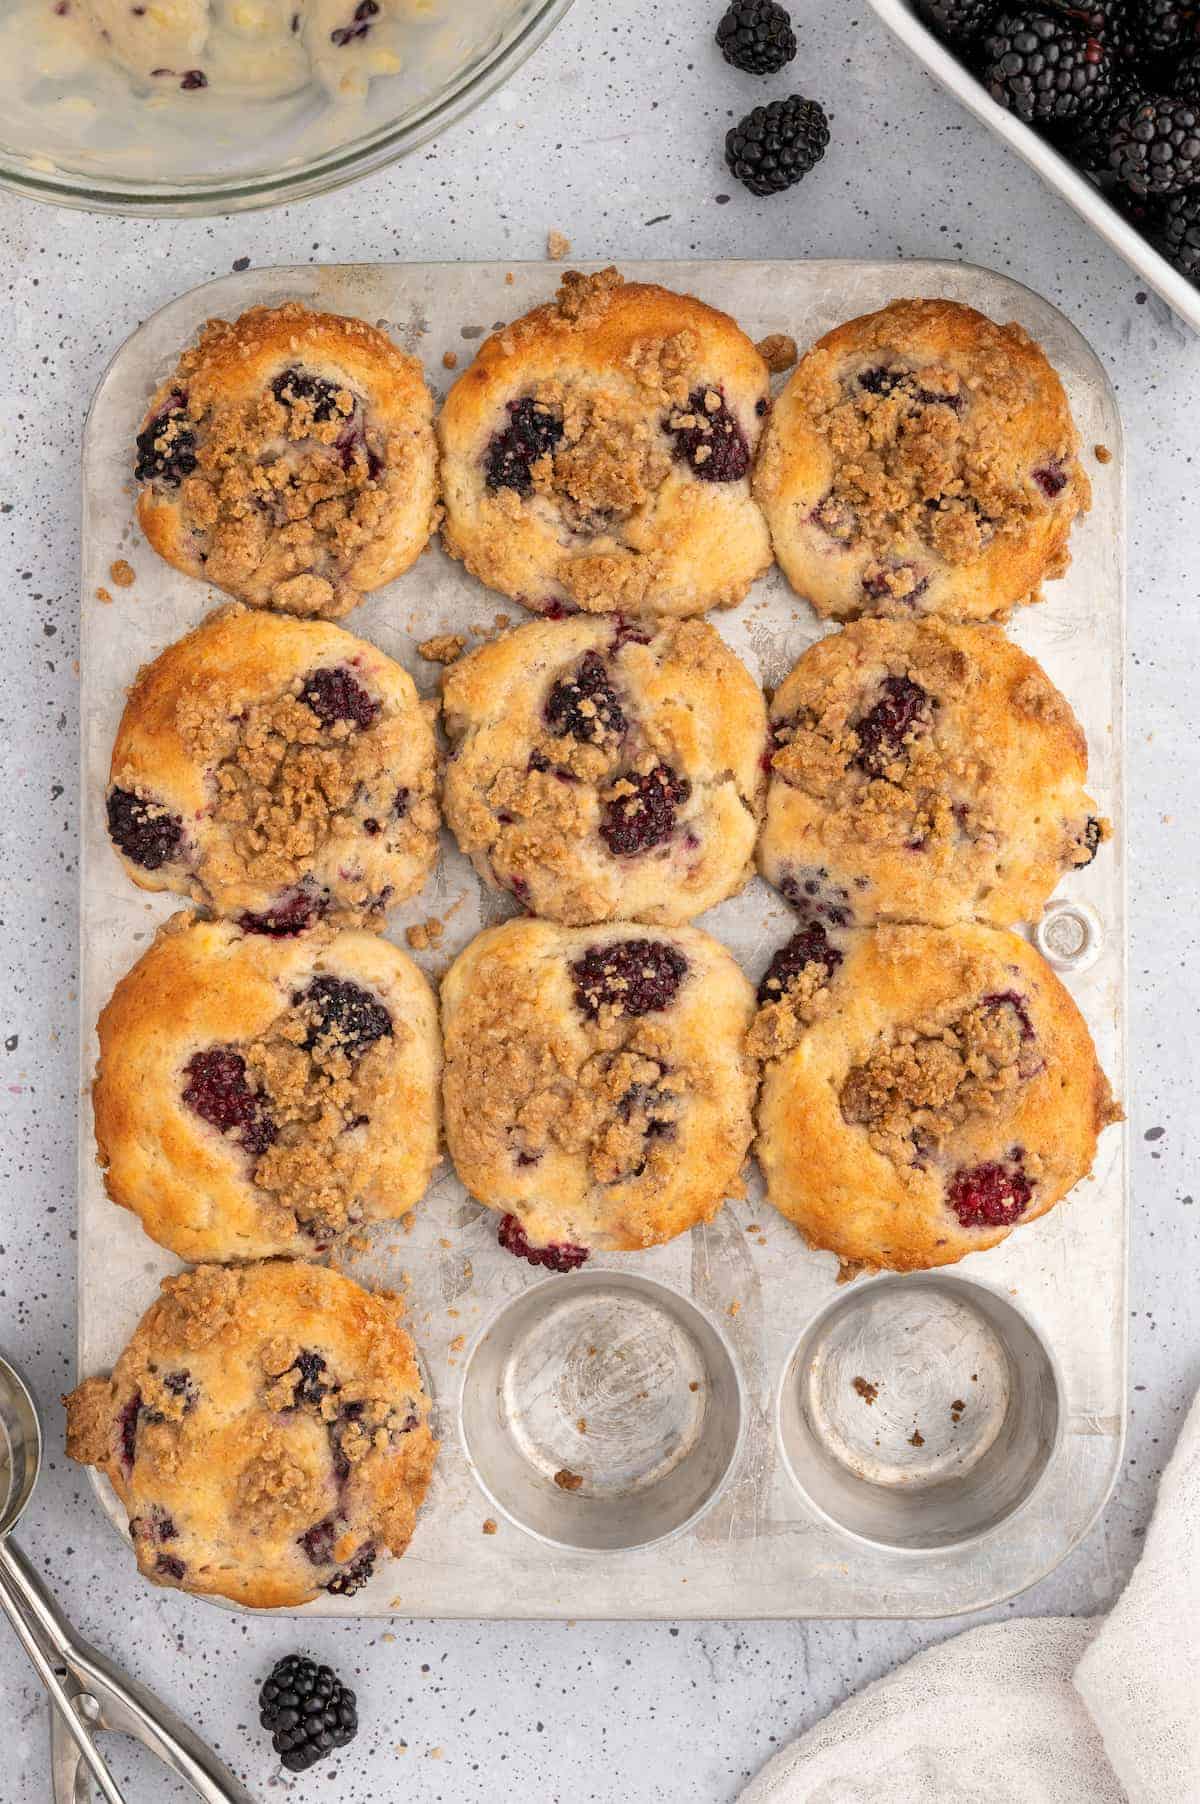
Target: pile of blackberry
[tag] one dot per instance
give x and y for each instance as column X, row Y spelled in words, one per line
column 1113, row 84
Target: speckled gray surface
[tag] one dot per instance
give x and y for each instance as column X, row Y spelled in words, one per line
column 612, row 135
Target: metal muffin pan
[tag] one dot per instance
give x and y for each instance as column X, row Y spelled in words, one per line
column 939, row 61
column 679, row 1433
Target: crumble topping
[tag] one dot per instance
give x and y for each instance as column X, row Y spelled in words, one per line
column 921, row 1083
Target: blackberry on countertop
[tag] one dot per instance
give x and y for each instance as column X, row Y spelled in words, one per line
column 1181, row 233
column 307, row 1711
column 1040, row 67
column 774, row 146
column 757, row 36
column 957, row 20
column 1155, row 146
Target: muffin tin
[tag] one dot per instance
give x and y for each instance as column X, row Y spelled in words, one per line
column 713, row 1428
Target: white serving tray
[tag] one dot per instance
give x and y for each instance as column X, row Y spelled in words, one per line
column 759, row 1551
column 901, row 18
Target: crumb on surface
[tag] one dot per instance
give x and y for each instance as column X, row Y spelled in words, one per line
column 508, row 280
column 581, row 1425
column 490, row 1525
column 735, row 1308
column 103, row 595
column 557, row 246
column 458, row 1343
column 866, row 1390
column 567, row 1481
column 424, row 934
column 916, row 1438
column 442, row 648
column 778, row 352
column 694, row 1385
column 122, row 573
column 1102, row 454
column 449, row 360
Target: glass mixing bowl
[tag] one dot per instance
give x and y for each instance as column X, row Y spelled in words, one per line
column 93, row 138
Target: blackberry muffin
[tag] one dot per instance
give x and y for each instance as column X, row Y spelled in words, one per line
column 266, row 1432
column 923, row 772
column 256, row 1096
column 606, row 770
column 925, row 1091
column 290, row 459
column 597, row 454
column 597, row 1084
column 921, row 460
column 277, row 771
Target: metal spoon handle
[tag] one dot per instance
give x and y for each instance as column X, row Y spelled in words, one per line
column 119, row 1702
column 12, row 1598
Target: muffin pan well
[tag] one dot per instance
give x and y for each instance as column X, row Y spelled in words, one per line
column 762, row 1491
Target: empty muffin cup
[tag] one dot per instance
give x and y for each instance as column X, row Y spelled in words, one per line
column 601, row 1411
column 919, row 1412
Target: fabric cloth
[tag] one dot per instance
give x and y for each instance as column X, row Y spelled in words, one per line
column 1047, row 1711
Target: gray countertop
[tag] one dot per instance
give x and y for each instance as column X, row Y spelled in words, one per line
column 612, row 135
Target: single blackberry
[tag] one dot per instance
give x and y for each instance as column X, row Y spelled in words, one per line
column 1042, row 68
column 1085, row 142
column 709, row 438
column 585, row 705
column 166, row 448
column 532, row 433
column 1162, row 26
column 901, row 712
column 958, row 19
column 1104, row 19
column 147, row 834
column 218, row 1090
column 775, row 146
column 644, row 818
column 321, row 396
column 559, row 1256
column 1185, row 79
column 638, row 977
column 335, row 695
column 342, row 1014
column 810, row 946
column 1155, row 146
column 1181, row 243
column 307, row 1712
column 757, row 36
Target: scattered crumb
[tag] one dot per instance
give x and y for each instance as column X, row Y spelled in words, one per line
column 591, row 1353
column 567, row 1481
column 122, row 574
column 916, row 1438
column 443, row 1242
column 735, row 1308
column 410, row 1222
column 777, row 351
column 694, row 1385
column 458, row 1343
column 501, row 621
column 435, row 1754
column 557, row 246
column 974, row 1377
column 490, row 1525
column 388, row 1636
column 454, row 1312
column 508, row 280
column 581, row 1425
column 956, row 1410
column 424, row 934
column 1103, row 454
column 449, row 360
column 443, row 648
column 866, row 1390
column 358, row 1243
column 752, row 1227
column 400, row 1747
column 103, row 595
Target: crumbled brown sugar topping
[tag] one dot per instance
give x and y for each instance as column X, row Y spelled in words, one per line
column 924, row 453
column 922, row 1083
column 286, row 783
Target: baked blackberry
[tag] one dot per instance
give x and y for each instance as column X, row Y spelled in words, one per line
column 1155, row 146
column 1181, row 233
column 1040, row 67
column 757, row 36
column 958, row 20
column 775, row 146
column 307, row 1711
